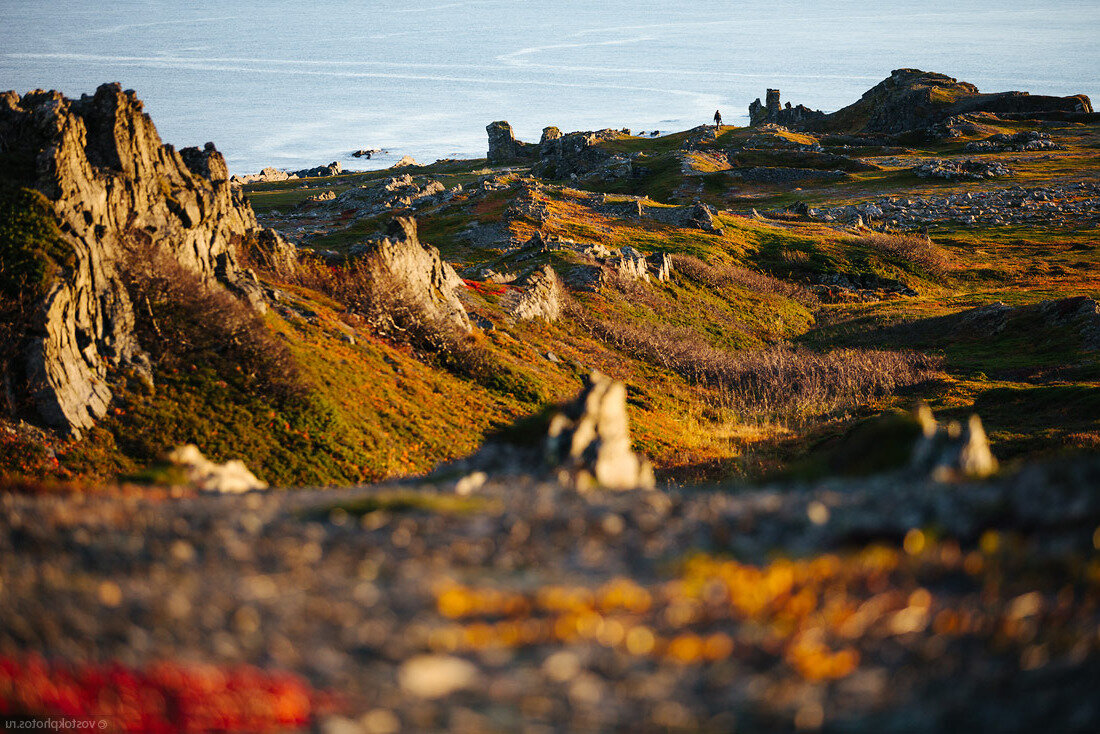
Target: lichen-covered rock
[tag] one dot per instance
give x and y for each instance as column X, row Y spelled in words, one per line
column 589, row 440
column 540, row 297
column 115, row 189
column 415, row 276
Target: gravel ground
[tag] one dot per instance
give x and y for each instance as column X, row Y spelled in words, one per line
column 881, row 604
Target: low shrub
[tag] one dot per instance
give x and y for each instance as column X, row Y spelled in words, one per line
column 916, row 250
column 784, row 383
column 720, row 275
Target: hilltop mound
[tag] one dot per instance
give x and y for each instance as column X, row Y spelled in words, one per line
column 911, row 99
column 90, row 192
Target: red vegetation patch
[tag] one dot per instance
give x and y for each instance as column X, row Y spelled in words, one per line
column 167, row 697
column 490, row 289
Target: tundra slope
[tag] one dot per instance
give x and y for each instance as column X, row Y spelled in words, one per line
column 859, row 595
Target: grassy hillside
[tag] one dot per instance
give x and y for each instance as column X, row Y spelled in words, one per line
column 742, row 363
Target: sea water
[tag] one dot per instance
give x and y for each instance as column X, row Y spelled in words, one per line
column 296, row 83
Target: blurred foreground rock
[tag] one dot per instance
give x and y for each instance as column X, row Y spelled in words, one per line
column 589, row 440
column 952, row 451
column 232, row 477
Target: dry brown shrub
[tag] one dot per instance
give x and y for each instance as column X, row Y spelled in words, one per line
column 782, row 382
column 794, row 258
column 719, row 275
column 385, row 304
column 183, row 321
column 916, row 249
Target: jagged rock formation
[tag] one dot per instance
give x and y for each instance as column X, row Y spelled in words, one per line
column 557, row 155
column 662, row 266
column 911, row 99
column 771, row 112
column 413, row 277
column 589, row 440
column 116, row 191
column 503, row 146
column 540, row 298
column 577, row 153
column 584, row 446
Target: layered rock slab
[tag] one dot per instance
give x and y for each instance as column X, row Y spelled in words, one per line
column 119, row 194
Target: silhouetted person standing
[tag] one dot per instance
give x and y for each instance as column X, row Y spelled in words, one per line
column 717, row 119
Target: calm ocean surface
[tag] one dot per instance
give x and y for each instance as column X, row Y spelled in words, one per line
column 292, row 83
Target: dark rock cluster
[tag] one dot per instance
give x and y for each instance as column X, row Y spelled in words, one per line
column 772, row 112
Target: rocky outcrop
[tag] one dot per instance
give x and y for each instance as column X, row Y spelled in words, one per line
column 661, row 264
column 1077, row 203
column 911, row 99
column 503, row 146
column 540, row 297
column 585, row 445
column 412, row 278
column 332, row 169
column 578, row 154
column 115, row 190
column 589, row 440
column 760, row 114
column 267, row 175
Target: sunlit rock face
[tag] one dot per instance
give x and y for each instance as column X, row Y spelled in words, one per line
column 119, row 195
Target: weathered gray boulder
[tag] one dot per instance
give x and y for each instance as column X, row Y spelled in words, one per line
column 413, row 278
column 115, row 190
column 589, row 440
column 540, row 297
